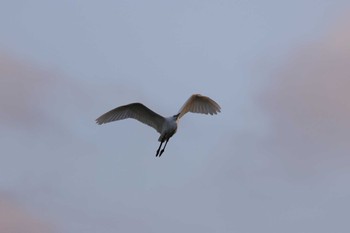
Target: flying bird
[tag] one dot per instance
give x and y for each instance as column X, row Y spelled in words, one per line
column 166, row 126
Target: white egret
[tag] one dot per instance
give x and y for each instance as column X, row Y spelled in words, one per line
column 165, row 126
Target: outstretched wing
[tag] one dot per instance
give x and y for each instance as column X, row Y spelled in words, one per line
column 136, row 111
column 199, row 104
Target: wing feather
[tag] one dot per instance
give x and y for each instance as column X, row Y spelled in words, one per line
column 135, row 111
column 199, row 104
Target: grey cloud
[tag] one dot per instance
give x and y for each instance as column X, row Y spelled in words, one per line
column 22, row 89
column 15, row 219
column 308, row 104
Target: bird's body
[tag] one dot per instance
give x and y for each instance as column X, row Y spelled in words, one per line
column 167, row 127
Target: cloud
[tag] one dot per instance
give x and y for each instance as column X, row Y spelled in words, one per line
column 307, row 103
column 23, row 89
column 306, row 109
column 14, row 219
column 33, row 97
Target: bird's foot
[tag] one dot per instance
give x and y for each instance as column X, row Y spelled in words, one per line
column 161, row 152
column 157, row 153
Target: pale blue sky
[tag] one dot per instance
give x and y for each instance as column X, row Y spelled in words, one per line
column 274, row 160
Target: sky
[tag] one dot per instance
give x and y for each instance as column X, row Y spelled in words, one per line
column 275, row 159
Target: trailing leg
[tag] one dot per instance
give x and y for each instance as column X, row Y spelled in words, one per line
column 159, row 148
column 161, row 152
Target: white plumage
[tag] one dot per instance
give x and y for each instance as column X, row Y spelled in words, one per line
column 165, row 126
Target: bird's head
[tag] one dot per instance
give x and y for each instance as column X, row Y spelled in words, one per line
column 176, row 116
